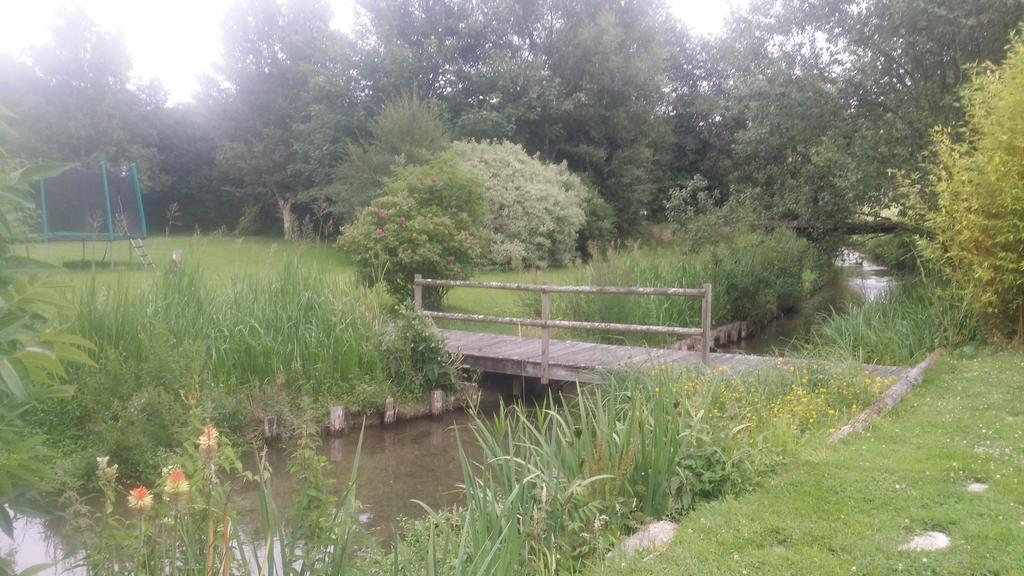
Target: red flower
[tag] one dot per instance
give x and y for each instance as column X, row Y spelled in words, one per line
column 140, row 499
column 379, row 232
column 433, row 181
column 451, row 261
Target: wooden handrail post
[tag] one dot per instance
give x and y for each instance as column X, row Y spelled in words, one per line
column 417, row 292
column 545, row 334
column 705, row 326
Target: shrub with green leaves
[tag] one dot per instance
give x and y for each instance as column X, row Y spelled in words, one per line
column 979, row 180
column 429, row 224
column 535, row 209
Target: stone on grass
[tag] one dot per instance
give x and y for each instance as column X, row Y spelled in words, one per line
column 926, row 541
column 653, row 536
column 977, row 487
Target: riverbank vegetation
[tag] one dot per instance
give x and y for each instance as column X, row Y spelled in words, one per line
column 590, row 142
column 553, row 489
column 242, row 348
column 847, row 508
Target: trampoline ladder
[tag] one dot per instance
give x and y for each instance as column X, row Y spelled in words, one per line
column 140, row 248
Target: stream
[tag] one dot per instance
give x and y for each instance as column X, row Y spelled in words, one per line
column 418, row 459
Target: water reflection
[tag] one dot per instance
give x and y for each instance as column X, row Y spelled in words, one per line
column 413, row 460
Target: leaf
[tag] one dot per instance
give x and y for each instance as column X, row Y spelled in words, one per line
column 13, row 381
column 35, row 569
column 6, row 522
column 34, row 172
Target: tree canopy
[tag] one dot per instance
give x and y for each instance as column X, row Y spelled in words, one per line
column 806, row 110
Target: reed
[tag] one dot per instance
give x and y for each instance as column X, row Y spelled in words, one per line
column 753, row 276
column 564, row 481
column 916, row 316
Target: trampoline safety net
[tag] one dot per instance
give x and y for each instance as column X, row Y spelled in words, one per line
column 83, row 204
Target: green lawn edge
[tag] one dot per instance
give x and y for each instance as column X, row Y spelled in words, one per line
column 847, row 508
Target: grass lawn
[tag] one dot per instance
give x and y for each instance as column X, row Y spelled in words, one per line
column 846, row 509
column 224, row 256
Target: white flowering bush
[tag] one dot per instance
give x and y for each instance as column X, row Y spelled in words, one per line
column 535, row 209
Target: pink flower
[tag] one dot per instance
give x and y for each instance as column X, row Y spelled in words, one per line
column 433, row 181
column 401, row 221
column 451, row 261
column 379, row 232
column 381, row 214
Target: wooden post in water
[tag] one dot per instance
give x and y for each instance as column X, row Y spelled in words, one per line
column 417, row 293
column 390, row 414
column 269, row 427
column 473, row 394
column 545, row 334
column 436, row 403
column 337, row 422
column 705, row 326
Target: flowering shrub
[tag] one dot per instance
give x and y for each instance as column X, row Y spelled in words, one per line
column 535, row 210
column 429, row 225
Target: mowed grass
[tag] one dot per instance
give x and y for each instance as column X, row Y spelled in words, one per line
column 846, row 509
column 218, row 256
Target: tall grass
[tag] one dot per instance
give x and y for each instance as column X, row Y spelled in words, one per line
column 566, row 481
column 242, row 348
column 752, row 276
column 316, row 330
column 914, row 317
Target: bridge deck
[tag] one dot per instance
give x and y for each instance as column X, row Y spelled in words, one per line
column 580, row 361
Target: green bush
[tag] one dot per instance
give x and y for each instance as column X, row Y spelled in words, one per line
column 429, row 224
column 535, row 210
column 417, row 357
column 979, row 180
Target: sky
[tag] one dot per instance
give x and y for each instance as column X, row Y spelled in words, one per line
column 175, row 41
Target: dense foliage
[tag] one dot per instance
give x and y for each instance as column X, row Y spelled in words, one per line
column 979, row 182
column 429, row 224
column 802, row 109
column 535, row 210
column 34, row 348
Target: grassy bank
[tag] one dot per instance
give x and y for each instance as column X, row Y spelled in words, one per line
column 914, row 317
column 846, row 509
column 233, row 350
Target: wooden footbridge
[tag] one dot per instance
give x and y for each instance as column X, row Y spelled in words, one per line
column 548, row 359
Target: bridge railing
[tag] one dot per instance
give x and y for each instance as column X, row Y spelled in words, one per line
column 546, row 323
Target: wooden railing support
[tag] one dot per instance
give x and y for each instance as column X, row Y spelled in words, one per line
column 417, row 293
column 545, row 323
column 705, row 326
column 545, row 333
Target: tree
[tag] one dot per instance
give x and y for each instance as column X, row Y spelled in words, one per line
column 273, row 57
column 809, row 107
column 408, row 131
column 978, row 178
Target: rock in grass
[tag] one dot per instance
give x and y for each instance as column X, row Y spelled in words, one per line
column 653, row 536
column 977, row 487
column 926, row 541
